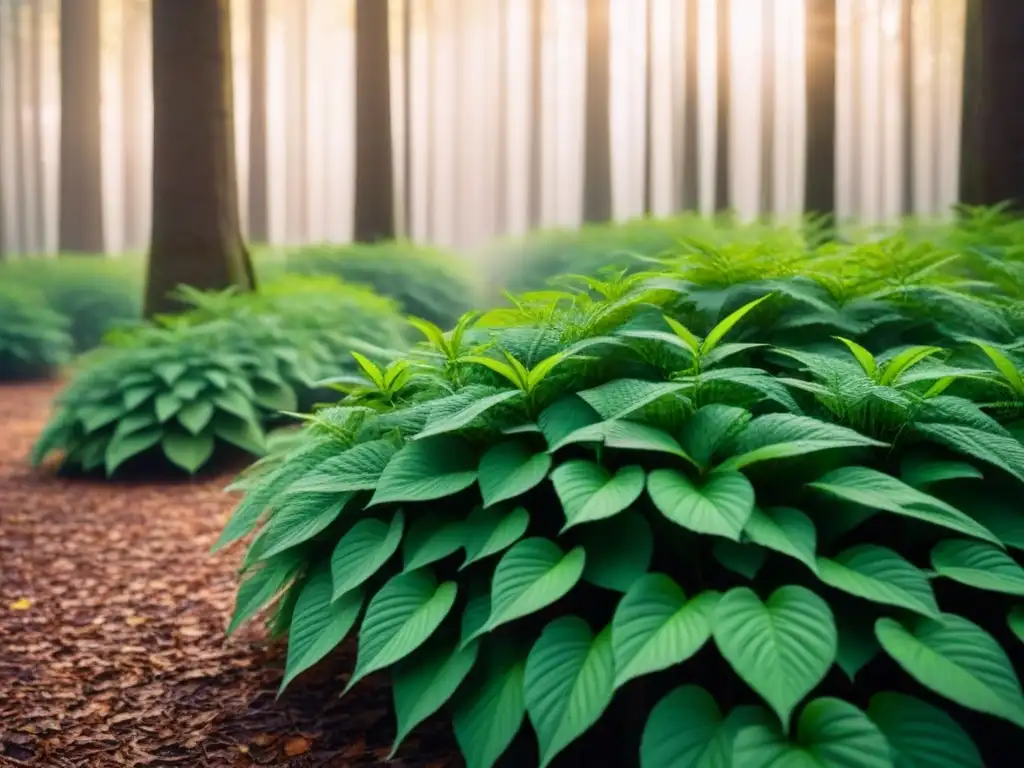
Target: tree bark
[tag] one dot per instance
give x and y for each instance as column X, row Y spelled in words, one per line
column 196, row 237
column 820, row 148
column 536, row 107
column 132, row 101
column 38, row 166
column 723, row 98
column 259, row 208
column 375, row 188
column 22, row 224
column 81, row 166
column 296, row 202
column 767, row 204
column 907, row 75
column 691, row 109
column 597, row 171
column 649, row 109
column 3, row 207
column 407, row 127
column 992, row 154
column 501, row 194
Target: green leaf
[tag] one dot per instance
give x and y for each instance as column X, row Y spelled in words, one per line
column 588, row 492
column 857, row 643
column 568, row 682
column 626, row 436
column 363, row 550
column 491, row 714
column 785, row 530
column 1015, row 620
column 189, row 452
column 422, row 684
column 299, row 518
column 167, row 404
column 133, row 397
column 863, row 357
column 357, row 469
column 743, row 559
column 920, row 471
column 431, row 537
column 685, row 335
column 877, row 490
column 427, row 469
column 275, row 396
column 510, row 469
column 709, row 428
column 94, row 418
column 978, row 565
column 720, row 506
column 260, row 585
column 619, row 398
column 565, row 416
column 783, row 648
column 532, row 575
column 921, row 735
column 686, row 730
column 655, row 627
column 880, row 575
column 832, row 734
column 466, row 416
column 619, row 550
column 319, row 623
column 489, row 531
column 719, row 331
column 782, row 435
column 904, row 361
column 170, row 372
column 123, row 447
column 233, row 402
column 196, row 416
column 1004, row 365
column 958, row 660
column 399, row 619
column 247, row 435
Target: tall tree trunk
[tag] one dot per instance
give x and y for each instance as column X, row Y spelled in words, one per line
column 22, row 223
column 536, row 106
column 597, row 168
column 767, row 204
column 820, row 147
column 992, row 154
column 501, row 197
column 407, row 128
column 723, row 105
column 38, row 165
column 691, row 109
column 3, row 75
column 375, row 189
column 649, row 109
column 259, row 208
column 81, row 170
column 132, row 101
column 907, row 75
column 297, row 203
column 196, row 238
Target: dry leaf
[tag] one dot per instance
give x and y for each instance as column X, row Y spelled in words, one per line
column 135, row 621
column 296, row 745
column 21, row 605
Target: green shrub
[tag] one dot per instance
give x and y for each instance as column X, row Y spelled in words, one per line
column 425, row 282
column 94, row 293
column 34, row 340
column 624, row 507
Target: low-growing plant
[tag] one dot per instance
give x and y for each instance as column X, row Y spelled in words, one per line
column 597, row 515
column 34, row 340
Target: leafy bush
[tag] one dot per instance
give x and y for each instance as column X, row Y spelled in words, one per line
column 34, row 340
column 425, row 282
column 94, row 293
column 604, row 507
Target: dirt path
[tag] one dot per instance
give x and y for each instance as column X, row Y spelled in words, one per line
column 112, row 648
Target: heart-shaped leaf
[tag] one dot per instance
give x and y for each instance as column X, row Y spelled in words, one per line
column 510, row 469
column 300, row 518
column 489, row 531
column 187, row 451
column 427, row 469
column 720, row 506
column 589, row 492
column 363, row 550
column 431, row 538
column 785, row 530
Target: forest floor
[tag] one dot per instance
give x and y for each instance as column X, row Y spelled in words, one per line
column 112, row 647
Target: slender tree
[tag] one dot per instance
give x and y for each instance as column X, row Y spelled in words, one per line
column 196, row 236
column 36, row 93
column 259, row 209
column 501, row 198
column 132, row 106
column 820, row 148
column 407, row 122
column 81, row 174
column 22, row 223
column 723, row 105
column 3, row 75
column 907, row 76
column 296, row 145
column 597, row 165
column 536, row 106
column 374, row 193
column 691, row 109
column 767, row 205
column 649, row 108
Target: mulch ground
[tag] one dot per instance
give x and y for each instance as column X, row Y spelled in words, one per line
column 112, row 647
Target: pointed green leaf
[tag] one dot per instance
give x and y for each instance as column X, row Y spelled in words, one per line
column 260, row 585
column 920, row 471
column 466, row 416
column 588, row 492
column 785, row 530
column 719, row 331
column 626, row 436
column 363, row 550
column 1015, row 620
column 619, row 550
column 743, row 559
column 318, row 624
column 133, row 397
column 958, row 660
column 431, row 538
column 399, row 619
column 170, row 372
column 782, row 435
column 921, row 735
column 978, row 565
column 189, row 452
column 299, row 518
column 619, row 398
column 709, row 428
column 655, row 627
column 427, row 469
column 196, row 416
column 565, row 416
column 167, row 404
column 568, row 683
column 491, row 714
column 857, row 643
column 783, row 648
column 247, row 435
column 357, row 469
column 124, row 447
column 489, row 531
column 880, row 575
column 510, row 469
column 863, row 357
column 720, row 506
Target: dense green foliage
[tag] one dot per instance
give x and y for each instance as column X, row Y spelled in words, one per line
column 425, row 282
column 94, row 293
column 220, row 373
column 759, row 506
column 34, row 340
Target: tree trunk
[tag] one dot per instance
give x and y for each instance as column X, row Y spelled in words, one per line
column 767, row 205
column 407, row 127
column 992, row 155
column 375, row 189
column 196, row 238
column 3, row 207
column 501, row 195
column 820, row 148
column 132, row 100
column 649, row 109
column 536, row 106
column 81, row 170
column 723, row 106
column 597, row 170
column 907, row 75
column 259, row 209
column 38, row 166
column 22, row 225
column 691, row 109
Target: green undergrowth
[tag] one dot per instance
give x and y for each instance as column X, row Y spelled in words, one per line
column 34, row 340
column 745, row 509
